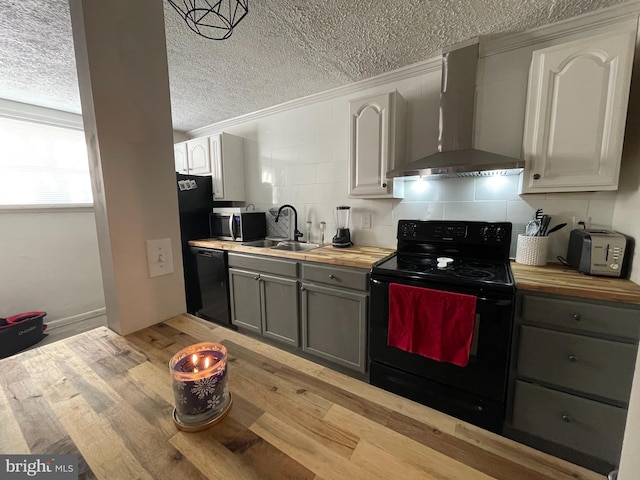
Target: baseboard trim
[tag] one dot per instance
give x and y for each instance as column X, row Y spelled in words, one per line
column 62, row 322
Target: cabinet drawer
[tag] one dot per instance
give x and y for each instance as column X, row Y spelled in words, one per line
column 287, row 268
column 586, row 364
column 338, row 277
column 586, row 426
column 582, row 315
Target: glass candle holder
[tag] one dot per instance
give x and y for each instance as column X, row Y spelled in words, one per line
column 199, row 375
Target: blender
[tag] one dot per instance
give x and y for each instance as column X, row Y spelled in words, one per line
column 342, row 238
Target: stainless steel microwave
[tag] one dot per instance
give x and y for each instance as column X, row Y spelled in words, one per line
column 233, row 224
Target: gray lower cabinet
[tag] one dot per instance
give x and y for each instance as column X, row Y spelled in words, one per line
column 570, row 378
column 246, row 304
column 264, row 303
column 334, row 314
column 317, row 308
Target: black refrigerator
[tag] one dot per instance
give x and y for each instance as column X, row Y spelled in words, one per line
column 205, row 270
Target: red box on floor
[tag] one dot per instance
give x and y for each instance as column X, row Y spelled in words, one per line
column 21, row 331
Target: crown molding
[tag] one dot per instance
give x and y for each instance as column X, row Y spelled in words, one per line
column 410, row 71
column 628, row 11
column 34, row 113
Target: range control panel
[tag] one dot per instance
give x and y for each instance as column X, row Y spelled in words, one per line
column 456, row 232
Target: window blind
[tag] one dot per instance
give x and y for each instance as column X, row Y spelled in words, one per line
column 42, row 165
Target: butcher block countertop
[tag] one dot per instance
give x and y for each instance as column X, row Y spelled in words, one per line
column 559, row 279
column 109, row 399
column 552, row 278
column 355, row 256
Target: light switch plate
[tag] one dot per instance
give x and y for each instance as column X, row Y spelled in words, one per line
column 159, row 257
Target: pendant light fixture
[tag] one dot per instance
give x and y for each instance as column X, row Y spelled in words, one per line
column 210, row 18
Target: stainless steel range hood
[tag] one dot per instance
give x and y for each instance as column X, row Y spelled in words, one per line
column 456, row 156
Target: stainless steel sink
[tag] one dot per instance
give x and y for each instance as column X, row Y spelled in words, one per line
column 262, row 243
column 295, row 246
column 289, row 246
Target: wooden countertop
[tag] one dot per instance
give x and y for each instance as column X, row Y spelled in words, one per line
column 559, row 279
column 551, row 278
column 109, row 399
column 355, row 256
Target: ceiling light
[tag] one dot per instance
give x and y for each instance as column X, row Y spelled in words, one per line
column 211, row 19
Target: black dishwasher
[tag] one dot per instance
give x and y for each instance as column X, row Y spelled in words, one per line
column 214, row 287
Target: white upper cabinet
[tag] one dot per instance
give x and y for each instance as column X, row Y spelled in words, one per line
column 220, row 156
column 227, row 163
column 576, row 113
column 180, row 157
column 377, row 143
column 192, row 157
column 198, row 156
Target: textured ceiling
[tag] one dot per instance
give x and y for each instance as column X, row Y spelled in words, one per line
column 282, row 50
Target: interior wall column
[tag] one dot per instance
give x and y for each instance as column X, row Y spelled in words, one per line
column 122, row 68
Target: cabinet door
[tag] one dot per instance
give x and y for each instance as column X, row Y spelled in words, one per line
column 180, row 157
column 376, row 140
column 590, row 427
column 215, row 142
column 576, row 113
column 244, row 290
column 334, row 325
column 198, row 156
column 280, row 309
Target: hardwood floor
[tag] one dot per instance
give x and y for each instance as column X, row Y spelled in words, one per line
column 55, row 334
column 109, row 400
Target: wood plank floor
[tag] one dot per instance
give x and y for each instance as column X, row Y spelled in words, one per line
column 55, row 333
column 109, row 399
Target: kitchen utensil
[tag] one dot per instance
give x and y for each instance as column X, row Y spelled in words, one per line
column 538, row 214
column 532, row 228
column 544, row 225
column 556, row 228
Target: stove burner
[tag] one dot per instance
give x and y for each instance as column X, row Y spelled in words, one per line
column 480, row 265
column 461, row 268
column 473, row 273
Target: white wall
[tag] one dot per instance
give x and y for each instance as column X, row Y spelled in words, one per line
column 50, row 263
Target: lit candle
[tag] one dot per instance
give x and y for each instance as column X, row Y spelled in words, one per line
column 200, row 383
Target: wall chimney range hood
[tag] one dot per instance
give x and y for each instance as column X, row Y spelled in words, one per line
column 456, row 156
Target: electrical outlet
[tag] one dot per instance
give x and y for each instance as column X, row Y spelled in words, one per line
column 366, row 220
column 159, row 257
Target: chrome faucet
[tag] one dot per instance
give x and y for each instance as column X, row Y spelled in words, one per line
column 296, row 233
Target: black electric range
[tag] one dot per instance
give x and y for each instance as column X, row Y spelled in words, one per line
column 465, row 257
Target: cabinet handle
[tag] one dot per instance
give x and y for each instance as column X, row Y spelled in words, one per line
column 302, row 289
column 577, row 317
column 384, row 185
column 566, row 419
column 573, row 358
column 536, row 176
column 332, row 277
column 257, row 277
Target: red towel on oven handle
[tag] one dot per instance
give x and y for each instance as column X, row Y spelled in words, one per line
column 433, row 323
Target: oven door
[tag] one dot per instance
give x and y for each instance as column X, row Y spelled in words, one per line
column 485, row 376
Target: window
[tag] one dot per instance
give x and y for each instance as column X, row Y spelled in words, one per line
column 42, row 165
